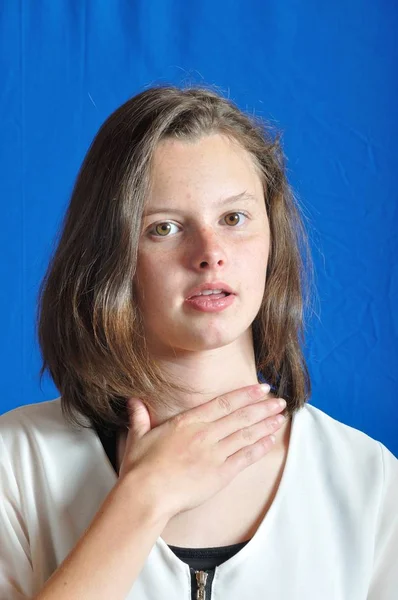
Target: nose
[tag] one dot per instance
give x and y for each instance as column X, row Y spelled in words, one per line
column 208, row 253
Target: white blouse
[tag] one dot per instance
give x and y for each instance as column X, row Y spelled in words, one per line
column 330, row 534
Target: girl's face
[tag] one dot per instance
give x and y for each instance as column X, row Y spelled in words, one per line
column 192, row 235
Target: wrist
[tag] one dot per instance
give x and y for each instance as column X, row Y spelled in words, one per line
column 146, row 490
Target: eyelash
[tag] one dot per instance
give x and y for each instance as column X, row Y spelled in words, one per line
column 240, row 212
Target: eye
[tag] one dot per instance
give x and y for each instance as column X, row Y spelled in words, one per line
column 236, row 213
column 163, row 229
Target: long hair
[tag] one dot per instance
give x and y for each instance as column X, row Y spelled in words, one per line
column 89, row 326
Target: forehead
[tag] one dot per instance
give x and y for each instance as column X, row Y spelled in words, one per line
column 211, row 162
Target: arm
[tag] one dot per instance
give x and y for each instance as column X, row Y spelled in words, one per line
column 384, row 580
column 175, row 466
column 16, row 577
column 109, row 556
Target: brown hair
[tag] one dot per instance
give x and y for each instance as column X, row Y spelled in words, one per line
column 89, row 326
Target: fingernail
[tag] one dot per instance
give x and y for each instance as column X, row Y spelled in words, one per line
column 282, row 403
column 264, row 387
column 280, row 419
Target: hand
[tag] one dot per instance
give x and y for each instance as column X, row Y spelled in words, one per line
column 190, row 457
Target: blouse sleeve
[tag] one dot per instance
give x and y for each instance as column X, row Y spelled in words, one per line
column 16, row 578
column 384, row 580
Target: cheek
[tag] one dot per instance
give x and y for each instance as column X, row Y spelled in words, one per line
column 256, row 258
column 147, row 267
column 153, row 280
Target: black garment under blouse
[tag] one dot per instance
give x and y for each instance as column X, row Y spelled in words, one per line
column 198, row 559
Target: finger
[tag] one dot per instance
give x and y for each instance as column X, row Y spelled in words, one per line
column 250, row 435
column 139, row 419
column 228, row 403
column 245, row 417
column 248, row 455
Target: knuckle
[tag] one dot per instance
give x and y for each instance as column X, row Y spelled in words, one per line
column 243, row 414
column 179, row 420
column 253, row 394
column 273, row 423
column 273, row 406
column 247, row 433
column 248, row 454
column 265, row 443
column 199, row 436
column 225, row 404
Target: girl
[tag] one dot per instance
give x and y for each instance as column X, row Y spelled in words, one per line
column 179, row 282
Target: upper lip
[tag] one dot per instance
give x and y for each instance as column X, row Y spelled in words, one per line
column 214, row 285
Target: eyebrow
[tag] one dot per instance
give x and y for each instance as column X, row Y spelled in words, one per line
column 242, row 197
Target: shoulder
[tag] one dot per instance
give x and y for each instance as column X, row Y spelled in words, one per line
column 345, row 453
column 39, row 434
column 325, row 430
column 35, row 420
column 344, row 486
column 36, row 415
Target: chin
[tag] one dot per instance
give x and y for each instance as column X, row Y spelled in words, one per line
column 210, row 339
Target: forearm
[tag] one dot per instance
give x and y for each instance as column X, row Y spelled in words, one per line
column 109, row 556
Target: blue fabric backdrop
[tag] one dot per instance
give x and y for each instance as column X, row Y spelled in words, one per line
column 323, row 72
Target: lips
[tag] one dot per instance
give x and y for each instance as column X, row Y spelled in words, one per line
column 215, row 285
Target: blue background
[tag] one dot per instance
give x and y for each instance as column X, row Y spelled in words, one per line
column 324, row 73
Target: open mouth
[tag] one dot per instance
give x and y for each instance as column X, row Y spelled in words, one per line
column 212, row 290
column 211, row 303
column 211, row 296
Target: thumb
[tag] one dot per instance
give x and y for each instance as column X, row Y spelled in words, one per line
column 139, row 419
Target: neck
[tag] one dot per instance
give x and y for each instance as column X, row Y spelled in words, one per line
column 209, row 373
